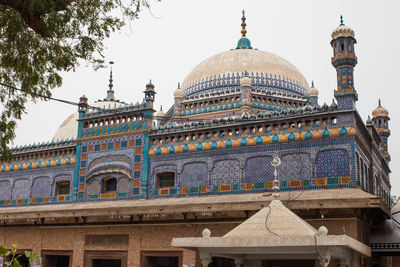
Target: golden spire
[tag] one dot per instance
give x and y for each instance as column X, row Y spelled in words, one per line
column 243, row 31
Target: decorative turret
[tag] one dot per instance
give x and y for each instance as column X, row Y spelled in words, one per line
column 149, row 94
column 244, row 42
column 245, row 85
column 83, row 105
column 344, row 60
column 313, row 94
column 380, row 118
column 159, row 116
column 178, row 97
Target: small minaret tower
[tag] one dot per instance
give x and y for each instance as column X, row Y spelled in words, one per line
column 380, row 118
column 313, row 95
column 344, row 60
column 178, row 97
column 149, row 94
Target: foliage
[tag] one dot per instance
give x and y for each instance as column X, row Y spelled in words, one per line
column 13, row 256
column 41, row 38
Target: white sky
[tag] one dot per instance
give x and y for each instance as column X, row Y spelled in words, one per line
column 168, row 44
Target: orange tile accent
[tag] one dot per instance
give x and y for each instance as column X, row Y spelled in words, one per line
column 248, row 186
column 90, row 148
column 320, row 181
column 164, row 150
column 33, row 200
column 138, row 150
column 203, row 189
column 81, row 187
column 137, row 166
column 6, row 202
column 46, row 199
column 164, row 191
column 344, row 180
column 82, row 172
column 131, row 143
column 184, row 190
column 103, row 146
column 61, row 198
column 20, row 201
column 178, row 149
column 225, row 188
column 117, row 145
column 108, row 195
column 294, row 183
column 269, row 185
column 153, row 152
column 251, row 141
column 136, row 183
column 192, row 147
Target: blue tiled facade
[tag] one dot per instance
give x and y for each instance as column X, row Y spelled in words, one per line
column 219, row 137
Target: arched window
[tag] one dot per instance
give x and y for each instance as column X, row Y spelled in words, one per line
column 109, row 185
column 62, row 188
column 165, row 179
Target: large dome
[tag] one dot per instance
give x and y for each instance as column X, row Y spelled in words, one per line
column 265, row 69
column 69, row 127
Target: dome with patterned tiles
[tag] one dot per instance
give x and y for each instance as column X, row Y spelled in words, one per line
column 224, row 70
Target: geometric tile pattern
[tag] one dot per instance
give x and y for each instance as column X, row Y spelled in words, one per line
column 333, row 163
column 21, row 189
column 5, row 190
column 41, row 187
column 259, row 169
column 295, row 166
column 123, row 185
column 226, row 172
column 194, row 174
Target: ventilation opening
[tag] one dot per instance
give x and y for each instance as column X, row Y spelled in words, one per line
column 56, row 260
column 166, row 179
column 106, row 263
column 162, row 261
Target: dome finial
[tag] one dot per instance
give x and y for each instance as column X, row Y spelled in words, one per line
column 312, row 84
column 179, row 85
column 379, row 102
column 110, row 91
column 243, row 31
column 341, row 20
column 161, row 108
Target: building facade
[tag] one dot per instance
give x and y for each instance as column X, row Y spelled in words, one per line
column 119, row 181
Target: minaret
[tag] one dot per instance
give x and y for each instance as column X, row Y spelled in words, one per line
column 110, row 91
column 149, row 94
column 313, row 94
column 380, row 118
column 344, row 60
column 244, row 42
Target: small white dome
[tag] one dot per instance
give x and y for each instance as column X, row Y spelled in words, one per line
column 380, row 111
column 313, row 91
column 178, row 93
column 160, row 113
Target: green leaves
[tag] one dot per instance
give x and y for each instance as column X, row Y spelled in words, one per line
column 13, row 256
column 41, row 38
column 3, row 251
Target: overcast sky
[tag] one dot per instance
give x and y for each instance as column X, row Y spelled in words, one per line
column 168, row 42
